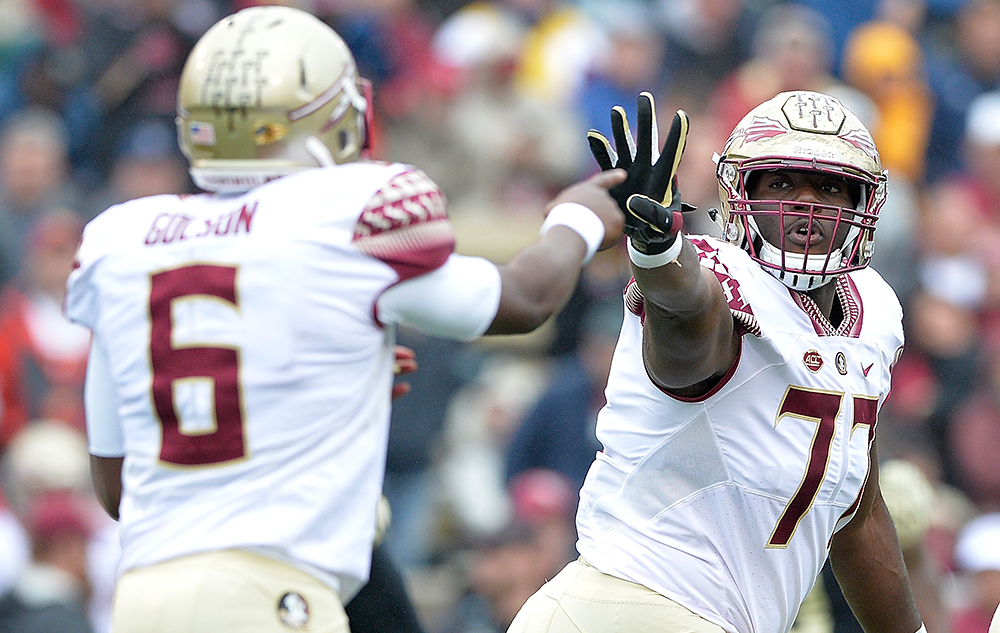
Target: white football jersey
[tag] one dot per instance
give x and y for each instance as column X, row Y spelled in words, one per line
column 251, row 372
column 727, row 503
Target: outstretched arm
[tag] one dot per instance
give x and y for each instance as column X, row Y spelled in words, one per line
column 867, row 562
column 689, row 340
column 538, row 281
column 688, row 337
column 470, row 296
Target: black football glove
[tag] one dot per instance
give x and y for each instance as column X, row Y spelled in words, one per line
column 649, row 196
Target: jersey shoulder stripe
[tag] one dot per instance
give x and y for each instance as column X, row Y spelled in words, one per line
column 405, row 224
column 709, row 257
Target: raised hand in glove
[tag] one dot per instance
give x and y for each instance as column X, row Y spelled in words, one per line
column 649, row 196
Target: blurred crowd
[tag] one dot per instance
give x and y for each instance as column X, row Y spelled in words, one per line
column 492, row 99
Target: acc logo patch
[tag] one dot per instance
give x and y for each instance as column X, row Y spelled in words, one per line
column 841, row 362
column 293, row 610
column 812, row 360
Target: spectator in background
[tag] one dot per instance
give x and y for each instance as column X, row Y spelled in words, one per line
column 981, row 149
column 482, row 418
column 705, row 41
column 146, row 163
column 43, row 357
column 792, row 50
column 884, row 61
column 415, row 430
column 633, row 62
column 951, row 282
column 963, row 64
column 521, row 147
column 977, row 555
column 548, row 46
column 133, row 54
column 51, row 593
column 34, row 177
column 48, row 460
column 14, row 548
column 502, row 572
column 981, row 183
column 21, row 34
column 561, row 46
column 974, row 436
column 942, row 335
column 559, row 432
column 546, row 499
column 508, row 564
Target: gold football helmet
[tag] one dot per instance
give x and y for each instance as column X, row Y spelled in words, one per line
column 805, row 131
column 265, row 92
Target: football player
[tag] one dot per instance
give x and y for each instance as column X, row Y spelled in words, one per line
column 744, row 392
column 241, row 369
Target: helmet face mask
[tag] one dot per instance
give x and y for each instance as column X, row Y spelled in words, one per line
column 811, row 133
column 266, row 92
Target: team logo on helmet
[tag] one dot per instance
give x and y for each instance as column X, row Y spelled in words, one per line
column 814, row 112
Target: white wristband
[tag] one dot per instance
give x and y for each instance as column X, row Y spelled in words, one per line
column 922, row 629
column 582, row 220
column 660, row 259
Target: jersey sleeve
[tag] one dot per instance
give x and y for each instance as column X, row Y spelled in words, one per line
column 104, row 433
column 80, row 302
column 458, row 300
column 405, row 225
